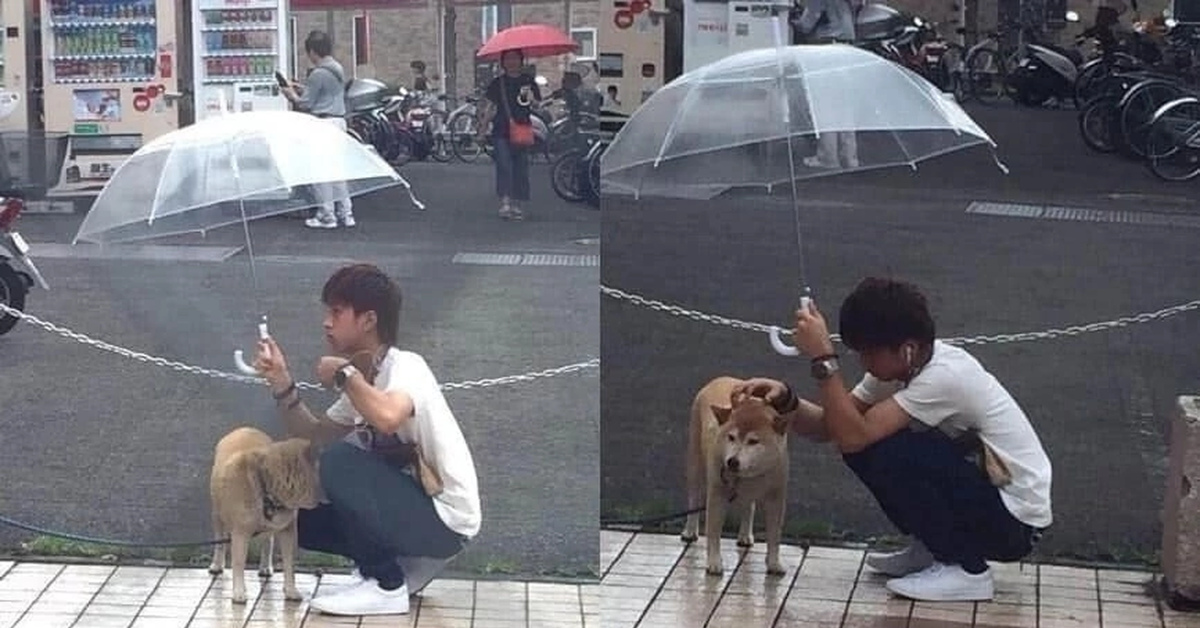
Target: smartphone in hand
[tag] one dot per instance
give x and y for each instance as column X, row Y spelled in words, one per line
column 281, row 79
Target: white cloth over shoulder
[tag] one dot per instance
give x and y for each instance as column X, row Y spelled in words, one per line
column 435, row 429
column 955, row 394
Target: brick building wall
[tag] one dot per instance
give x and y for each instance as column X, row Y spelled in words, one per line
column 399, row 36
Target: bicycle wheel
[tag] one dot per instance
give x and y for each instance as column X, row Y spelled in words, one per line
column 463, row 132
column 1096, row 121
column 1173, row 143
column 564, row 176
column 1136, row 110
column 987, row 77
column 440, row 148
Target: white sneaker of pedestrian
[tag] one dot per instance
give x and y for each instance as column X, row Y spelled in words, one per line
column 814, row 162
column 944, row 583
column 317, row 223
column 365, row 599
column 911, row 559
column 356, row 579
column 348, row 220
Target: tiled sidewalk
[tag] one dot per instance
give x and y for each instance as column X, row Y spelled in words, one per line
column 656, row 581
column 48, row 595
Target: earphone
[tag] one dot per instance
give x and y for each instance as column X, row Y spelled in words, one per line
column 908, row 355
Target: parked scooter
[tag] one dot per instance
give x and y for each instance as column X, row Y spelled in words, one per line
column 17, row 271
column 1046, row 71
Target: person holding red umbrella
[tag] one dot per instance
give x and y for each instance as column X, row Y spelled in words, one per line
column 510, row 97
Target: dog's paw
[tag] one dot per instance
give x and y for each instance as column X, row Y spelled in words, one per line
column 215, row 569
column 746, row 541
column 688, row 536
column 775, row 570
column 239, row 597
column 265, row 572
column 293, row 595
column 715, row 569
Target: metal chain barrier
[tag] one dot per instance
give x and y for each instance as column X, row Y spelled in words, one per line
column 1073, row 330
column 246, row 379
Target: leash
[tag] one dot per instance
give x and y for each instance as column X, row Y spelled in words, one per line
column 98, row 541
column 645, row 521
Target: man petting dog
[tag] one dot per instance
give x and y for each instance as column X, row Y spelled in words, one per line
column 974, row 489
column 397, row 472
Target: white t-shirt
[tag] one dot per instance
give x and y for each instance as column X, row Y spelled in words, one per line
column 434, row 427
column 955, row 393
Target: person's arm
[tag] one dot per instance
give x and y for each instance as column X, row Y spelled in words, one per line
column 386, row 407
column 300, row 422
column 929, row 398
column 319, row 82
column 813, row 9
column 807, row 418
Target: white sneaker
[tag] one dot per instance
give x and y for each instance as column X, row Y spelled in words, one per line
column 365, row 599
column 911, row 559
column 944, row 583
column 814, row 162
column 356, row 579
column 348, row 220
column 317, row 223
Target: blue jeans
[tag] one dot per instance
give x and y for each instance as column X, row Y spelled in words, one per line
column 928, row 489
column 512, row 170
column 377, row 512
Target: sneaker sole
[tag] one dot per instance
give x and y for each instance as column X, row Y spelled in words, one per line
column 940, row 598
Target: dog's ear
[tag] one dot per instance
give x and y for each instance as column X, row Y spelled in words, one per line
column 781, row 423
column 722, row 413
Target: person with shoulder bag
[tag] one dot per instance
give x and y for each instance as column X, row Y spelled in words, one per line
column 828, row 22
column 397, row 473
column 324, row 96
column 510, row 98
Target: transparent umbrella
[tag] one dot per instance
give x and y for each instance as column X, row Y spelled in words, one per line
column 232, row 169
column 745, row 121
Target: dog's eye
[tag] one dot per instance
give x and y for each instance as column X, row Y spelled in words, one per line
column 751, row 441
column 731, row 437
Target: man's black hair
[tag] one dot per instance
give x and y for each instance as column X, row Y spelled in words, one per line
column 318, row 43
column 884, row 314
column 366, row 288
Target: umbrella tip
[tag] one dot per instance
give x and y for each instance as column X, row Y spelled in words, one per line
column 999, row 164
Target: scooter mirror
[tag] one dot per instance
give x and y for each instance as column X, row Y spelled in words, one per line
column 1072, row 16
column 918, row 21
column 541, row 81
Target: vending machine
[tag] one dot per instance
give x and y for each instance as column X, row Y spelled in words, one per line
column 237, row 46
column 110, row 81
column 715, row 29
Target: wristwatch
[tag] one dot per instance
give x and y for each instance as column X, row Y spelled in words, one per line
column 343, row 375
column 823, row 367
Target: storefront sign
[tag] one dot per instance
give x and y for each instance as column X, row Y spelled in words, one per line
column 86, row 129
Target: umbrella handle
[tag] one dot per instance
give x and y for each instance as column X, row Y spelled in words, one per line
column 238, row 357
column 777, row 342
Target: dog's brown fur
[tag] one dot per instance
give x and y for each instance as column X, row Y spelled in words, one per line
column 249, row 467
column 753, row 433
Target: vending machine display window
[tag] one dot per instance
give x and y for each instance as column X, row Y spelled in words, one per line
column 239, row 45
column 102, row 41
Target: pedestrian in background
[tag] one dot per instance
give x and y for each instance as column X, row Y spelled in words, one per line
column 510, row 98
column 324, row 96
column 827, row 22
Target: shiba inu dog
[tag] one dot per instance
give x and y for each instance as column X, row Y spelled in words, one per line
column 737, row 457
column 257, row 485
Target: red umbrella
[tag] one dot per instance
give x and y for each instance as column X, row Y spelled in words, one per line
column 535, row 40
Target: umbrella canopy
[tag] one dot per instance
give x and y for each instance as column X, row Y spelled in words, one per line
column 729, row 124
column 534, row 40
column 232, row 167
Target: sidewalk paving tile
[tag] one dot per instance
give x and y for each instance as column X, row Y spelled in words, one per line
column 49, row 595
column 656, row 581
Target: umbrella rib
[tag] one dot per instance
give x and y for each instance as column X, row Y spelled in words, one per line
column 940, row 106
column 687, row 100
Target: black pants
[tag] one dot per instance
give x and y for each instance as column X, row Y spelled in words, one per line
column 512, row 169
column 377, row 512
column 928, row 489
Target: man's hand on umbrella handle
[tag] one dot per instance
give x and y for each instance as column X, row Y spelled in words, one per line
column 272, row 364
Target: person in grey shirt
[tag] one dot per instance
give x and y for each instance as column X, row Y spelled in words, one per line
column 324, row 96
column 826, row 22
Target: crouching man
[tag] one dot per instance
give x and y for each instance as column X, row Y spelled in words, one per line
column 946, row 451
